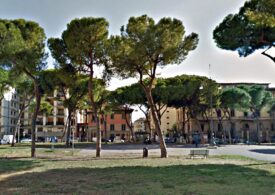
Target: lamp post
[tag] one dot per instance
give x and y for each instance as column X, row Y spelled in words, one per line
column 212, row 136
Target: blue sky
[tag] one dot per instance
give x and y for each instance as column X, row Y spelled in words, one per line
column 200, row 16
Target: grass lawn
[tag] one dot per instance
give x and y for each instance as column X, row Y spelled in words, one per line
column 59, row 172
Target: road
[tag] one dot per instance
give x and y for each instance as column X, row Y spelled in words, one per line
column 259, row 152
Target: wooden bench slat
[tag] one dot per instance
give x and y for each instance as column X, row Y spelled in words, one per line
column 204, row 153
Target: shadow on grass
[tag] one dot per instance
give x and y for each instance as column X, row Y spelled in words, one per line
column 13, row 165
column 177, row 179
column 264, row 151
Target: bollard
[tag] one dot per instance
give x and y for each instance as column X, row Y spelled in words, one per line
column 145, row 152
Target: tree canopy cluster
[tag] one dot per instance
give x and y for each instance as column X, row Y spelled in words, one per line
column 85, row 45
column 251, row 29
column 143, row 46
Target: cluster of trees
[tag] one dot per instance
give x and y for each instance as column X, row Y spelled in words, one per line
column 196, row 96
column 84, row 46
column 142, row 47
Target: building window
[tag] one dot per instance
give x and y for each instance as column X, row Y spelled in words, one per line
column 123, row 116
column 272, row 127
column 93, row 118
column 167, row 117
column 123, row 127
column 245, row 114
column 112, row 127
column 112, row 116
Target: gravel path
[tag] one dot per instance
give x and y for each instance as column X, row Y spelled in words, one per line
column 259, row 152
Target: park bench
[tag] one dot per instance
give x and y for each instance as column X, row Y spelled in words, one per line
column 196, row 153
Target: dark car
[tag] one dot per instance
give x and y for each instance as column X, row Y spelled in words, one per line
column 169, row 140
column 107, row 140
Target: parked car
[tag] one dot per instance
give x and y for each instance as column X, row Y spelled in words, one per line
column 7, row 139
column 169, row 140
column 26, row 140
column 3, row 142
column 40, row 139
column 108, row 140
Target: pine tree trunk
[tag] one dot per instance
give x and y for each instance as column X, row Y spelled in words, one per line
column 129, row 124
column 258, row 131
column 17, row 127
column 68, row 135
column 163, row 149
column 200, row 129
column 98, row 132
column 183, row 121
column 95, row 111
column 37, row 107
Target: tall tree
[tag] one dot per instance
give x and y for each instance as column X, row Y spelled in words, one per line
column 127, row 97
column 233, row 98
column 23, row 48
column 195, row 95
column 83, row 45
column 260, row 98
column 24, row 87
column 145, row 45
column 71, row 86
column 251, row 29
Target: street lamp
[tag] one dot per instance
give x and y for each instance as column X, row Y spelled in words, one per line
column 211, row 117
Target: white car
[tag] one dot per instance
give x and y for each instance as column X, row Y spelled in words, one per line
column 7, row 139
column 3, row 141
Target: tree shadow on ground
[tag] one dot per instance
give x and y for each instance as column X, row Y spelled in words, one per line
column 14, row 165
column 176, row 179
column 264, row 151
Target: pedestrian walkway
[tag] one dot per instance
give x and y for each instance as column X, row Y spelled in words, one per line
column 258, row 152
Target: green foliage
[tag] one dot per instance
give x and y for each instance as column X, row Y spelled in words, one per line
column 4, row 82
column 235, row 98
column 22, row 45
column 263, row 15
column 131, row 95
column 144, row 45
column 251, row 29
column 192, row 92
column 188, row 91
column 259, row 97
column 83, row 43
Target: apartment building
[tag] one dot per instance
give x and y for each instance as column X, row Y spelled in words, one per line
column 9, row 112
column 140, row 125
column 113, row 125
column 47, row 124
column 168, row 121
